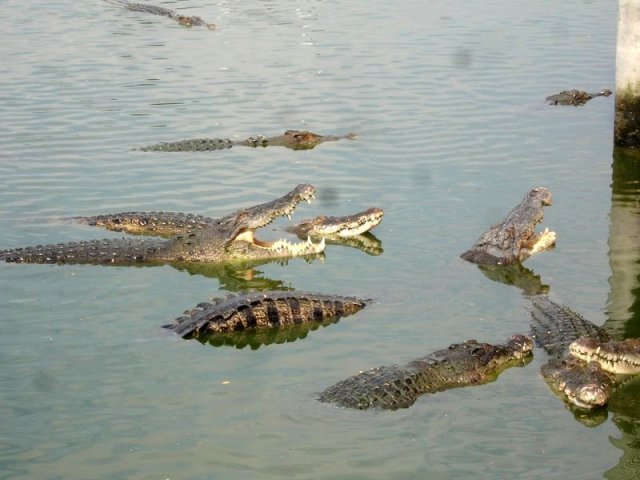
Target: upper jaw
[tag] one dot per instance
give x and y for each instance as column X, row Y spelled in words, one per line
column 245, row 244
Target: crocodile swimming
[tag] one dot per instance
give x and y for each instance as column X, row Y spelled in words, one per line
column 263, row 310
column 293, row 139
column 575, row 97
column 227, row 239
column 185, row 20
column 461, row 365
column 555, row 328
column 514, row 239
column 168, row 224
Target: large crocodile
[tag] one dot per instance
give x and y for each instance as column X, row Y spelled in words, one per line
column 575, row 97
column 514, row 239
column 555, row 328
column 462, row 364
column 185, row 20
column 293, row 139
column 262, row 310
column 227, row 239
column 168, row 224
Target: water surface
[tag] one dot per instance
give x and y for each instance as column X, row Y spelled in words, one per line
column 448, row 100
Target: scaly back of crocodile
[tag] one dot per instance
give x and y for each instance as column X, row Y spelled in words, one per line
column 262, row 310
column 460, row 365
column 554, row 327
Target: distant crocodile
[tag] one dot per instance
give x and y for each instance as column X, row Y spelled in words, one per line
column 155, row 10
column 293, row 139
column 515, row 240
column 462, row 364
column 575, row 97
column 256, row 311
column 227, row 239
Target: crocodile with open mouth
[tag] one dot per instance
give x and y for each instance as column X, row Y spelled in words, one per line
column 460, row 365
column 575, row 97
column 514, row 239
column 227, row 239
column 293, row 139
column 187, row 21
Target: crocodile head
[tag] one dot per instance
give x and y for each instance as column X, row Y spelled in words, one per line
column 347, row 226
column 234, row 237
column 515, row 239
column 194, row 21
column 583, row 385
column 620, row 357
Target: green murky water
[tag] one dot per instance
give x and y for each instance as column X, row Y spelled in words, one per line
column 448, row 100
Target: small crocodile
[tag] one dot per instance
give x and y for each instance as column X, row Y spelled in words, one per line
column 261, row 310
column 461, row 365
column 515, row 240
column 293, row 139
column 574, row 97
column 227, row 239
column 187, row 21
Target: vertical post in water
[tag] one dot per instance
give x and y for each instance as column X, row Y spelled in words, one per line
column 626, row 129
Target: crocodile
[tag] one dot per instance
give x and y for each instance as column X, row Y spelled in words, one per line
column 621, row 357
column 227, row 239
column 262, row 310
column 167, row 224
column 293, row 139
column 460, row 365
column 556, row 328
column 575, row 97
column 514, row 239
column 184, row 20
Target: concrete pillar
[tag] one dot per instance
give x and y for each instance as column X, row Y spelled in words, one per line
column 627, row 117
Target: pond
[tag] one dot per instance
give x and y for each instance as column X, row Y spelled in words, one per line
column 453, row 129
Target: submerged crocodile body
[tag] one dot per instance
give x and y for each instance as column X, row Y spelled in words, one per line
column 575, row 97
column 514, row 239
column 185, row 20
column 293, row 139
column 462, row 364
column 227, row 239
column 263, row 310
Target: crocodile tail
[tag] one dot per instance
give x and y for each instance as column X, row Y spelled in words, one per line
column 108, row 251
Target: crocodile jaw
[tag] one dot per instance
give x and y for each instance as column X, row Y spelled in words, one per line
column 615, row 357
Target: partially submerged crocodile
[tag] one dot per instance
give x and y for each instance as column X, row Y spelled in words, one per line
column 227, row 239
column 588, row 365
column 185, row 20
column 168, row 224
column 462, row 364
column 555, row 328
column 514, row 239
column 263, row 310
column 575, row 97
column 293, row 139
